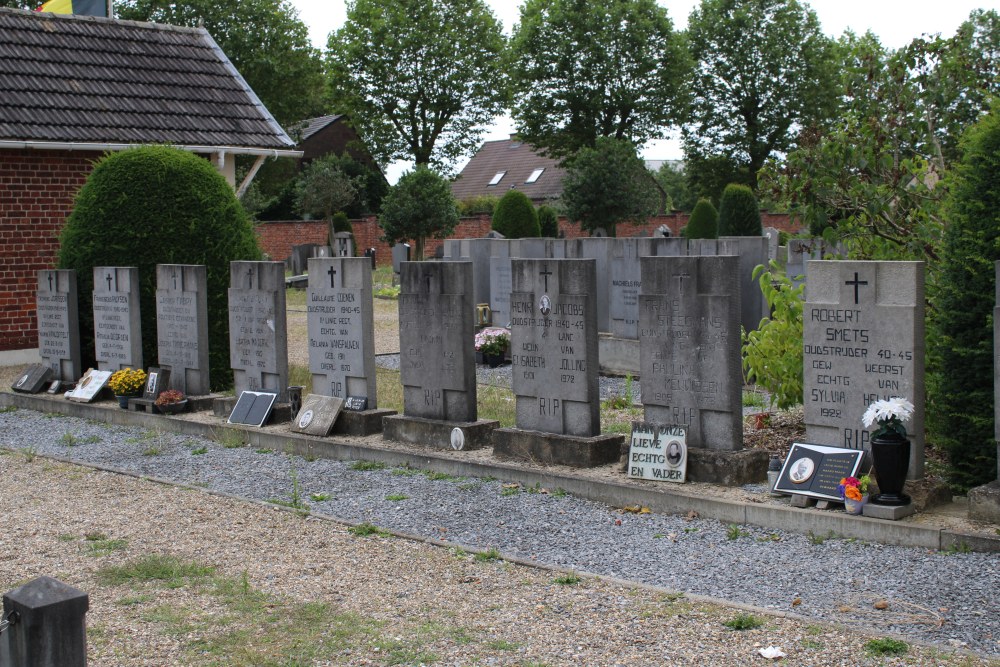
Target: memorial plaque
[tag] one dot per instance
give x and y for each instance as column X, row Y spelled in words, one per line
column 258, row 343
column 341, row 327
column 253, row 408
column 33, row 380
column 816, row 470
column 658, row 452
column 89, row 386
column 182, row 326
column 157, row 381
column 554, row 346
column 356, row 403
column 689, row 348
column 117, row 322
column 863, row 340
column 317, row 415
column 436, row 333
column 58, row 324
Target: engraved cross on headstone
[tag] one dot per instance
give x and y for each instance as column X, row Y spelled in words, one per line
column 173, row 274
column 680, row 279
column 108, row 278
column 333, row 274
column 50, row 281
column 250, row 278
column 545, row 273
column 856, row 284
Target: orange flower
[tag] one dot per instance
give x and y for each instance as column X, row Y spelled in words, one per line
column 852, row 492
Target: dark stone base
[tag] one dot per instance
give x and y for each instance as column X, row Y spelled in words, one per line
column 436, row 433
column 223, row 407
column 744, row 466
column 550, row 448
column 984, row 503
column 360, row 422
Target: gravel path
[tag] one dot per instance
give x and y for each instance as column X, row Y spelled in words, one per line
column 949, row 599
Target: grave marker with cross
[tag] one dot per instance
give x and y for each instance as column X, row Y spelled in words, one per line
column 58, row 323
column 117, row 319
column 258, row 342
column 182, row 326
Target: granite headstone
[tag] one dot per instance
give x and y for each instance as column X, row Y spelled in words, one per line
column 182, row 326
column 258, row 343
column 58, row 323
column 117, row 320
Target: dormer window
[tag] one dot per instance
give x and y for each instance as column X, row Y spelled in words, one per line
column 496, row 179
column 534, row 175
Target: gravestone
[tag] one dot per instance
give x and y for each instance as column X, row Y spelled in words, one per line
column 689, row 348
column 258, row 343
column 400, row 254
column 34, row 379
column 300, row 256
column 625, row 283
column 816, row 470
column 801, row 251
column 772, row 235
column 500, row 287
column 182, row 326
column 599, row 250
column 437, row 362
column 554, row 366
column 863, row 340
column 58, row 323
column 317, row 415
column 117, row 322
column 343, row 244
column 657, row 452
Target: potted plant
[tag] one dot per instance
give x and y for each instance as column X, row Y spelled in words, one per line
column 890, row 448
column 171, row 401
column 854, row 491
column 127, row 383
column 493, row 342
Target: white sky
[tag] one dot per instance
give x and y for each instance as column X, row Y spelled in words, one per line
column 896, row 22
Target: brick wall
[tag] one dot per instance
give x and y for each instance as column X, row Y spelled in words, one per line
column 36, row 196
column 277, row 238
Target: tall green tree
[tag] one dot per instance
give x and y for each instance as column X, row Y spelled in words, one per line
column 264, row 39
column 960, row 415
column 609, row 184
column 419, row 78
column 762, row 68
column 739, row 213
column 324, row 188
column 584, row 69
column 418, row 207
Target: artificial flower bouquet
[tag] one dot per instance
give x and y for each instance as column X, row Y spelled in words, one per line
column 168, row 397
column 854, row 488
column 889, row 415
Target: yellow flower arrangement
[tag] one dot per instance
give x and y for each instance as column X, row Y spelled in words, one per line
column 128, row 382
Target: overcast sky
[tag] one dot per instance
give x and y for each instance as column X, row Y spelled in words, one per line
column 896, row 22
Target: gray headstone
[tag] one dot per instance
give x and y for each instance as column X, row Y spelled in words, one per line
column 58, row 324
column 437, row 355
column 801, row 251
column 182, row 326
column 500, row 288
column 554, row 346
column 494, row 234
column 480, row 252
column 341, row 327
column 752, row 252
column 535, row 248
column 625, row 282
column 117, row 321
column 689, row 348
column 598, row 250
column 300, row 255
column 317, row 415
column 863, row 336
column 400, row 254
column 258, row 341
column 343, row 244
column 772, row 236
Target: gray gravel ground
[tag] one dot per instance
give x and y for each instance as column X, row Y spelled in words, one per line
column 948, row 598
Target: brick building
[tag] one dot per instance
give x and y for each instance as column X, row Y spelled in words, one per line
column 73, row 88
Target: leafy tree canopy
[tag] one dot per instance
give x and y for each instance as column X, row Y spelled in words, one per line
column 763, row 67
column 420, row 78
column 609, row 184
column 583, row 70
column 418, row 207
column 324, row 188
column 264, row 39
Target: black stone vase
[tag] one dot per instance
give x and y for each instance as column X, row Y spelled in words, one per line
column 891, row 460
column 494, row 360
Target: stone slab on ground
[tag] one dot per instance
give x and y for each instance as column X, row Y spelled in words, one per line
column 745, row 466
column 361, row 423
column 223, row 407
column 889, row 512
column 553, row 448
column 437, row 433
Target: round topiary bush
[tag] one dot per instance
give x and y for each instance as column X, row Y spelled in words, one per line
column 704, row 222
column 515, row 216
column 158, row 205
column 548, row 222
column 739, row 214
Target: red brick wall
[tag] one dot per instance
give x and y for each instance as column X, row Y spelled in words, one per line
column 36, row 196
column 277, row 238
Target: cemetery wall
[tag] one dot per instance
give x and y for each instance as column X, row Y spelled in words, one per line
column 36, row 196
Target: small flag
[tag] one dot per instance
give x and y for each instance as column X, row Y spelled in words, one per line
column 82, row 7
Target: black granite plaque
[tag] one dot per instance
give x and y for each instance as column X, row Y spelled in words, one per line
column 356, row 403
column 34, row 379
column 816, row 470
column 253, row 408
column 156, row 381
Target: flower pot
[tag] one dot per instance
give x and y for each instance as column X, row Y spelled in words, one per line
column 855, row 506
column 891, row 461
column 173, row 408
column 494, row 360
column 123, row 400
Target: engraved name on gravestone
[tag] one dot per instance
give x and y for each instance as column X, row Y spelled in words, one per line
column 598, row 250
column 863, row 340
column 258, row 344
column 554, row 346
column 117, row 324
column 58, row 324
column 437, row 357
column 182, row 326
column 626, row 281
column 689, row 348
column 341, row 327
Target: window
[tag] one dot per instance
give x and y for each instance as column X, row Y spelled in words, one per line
column 534, row 175
column 496, row 179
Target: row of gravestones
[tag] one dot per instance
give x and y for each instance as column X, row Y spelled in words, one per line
column 863, row 340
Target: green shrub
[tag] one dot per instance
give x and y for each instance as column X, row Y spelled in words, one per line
column 739, row 214
column 419, row 206
column 548, row 222
column 960, row 413
column 476, row 205
column 158, row 205
column 704, row 222
column 515, row 216
column 772, row 355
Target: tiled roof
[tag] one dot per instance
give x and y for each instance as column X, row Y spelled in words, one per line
column 311, row 126
column 518, row 160
column 95, row 80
